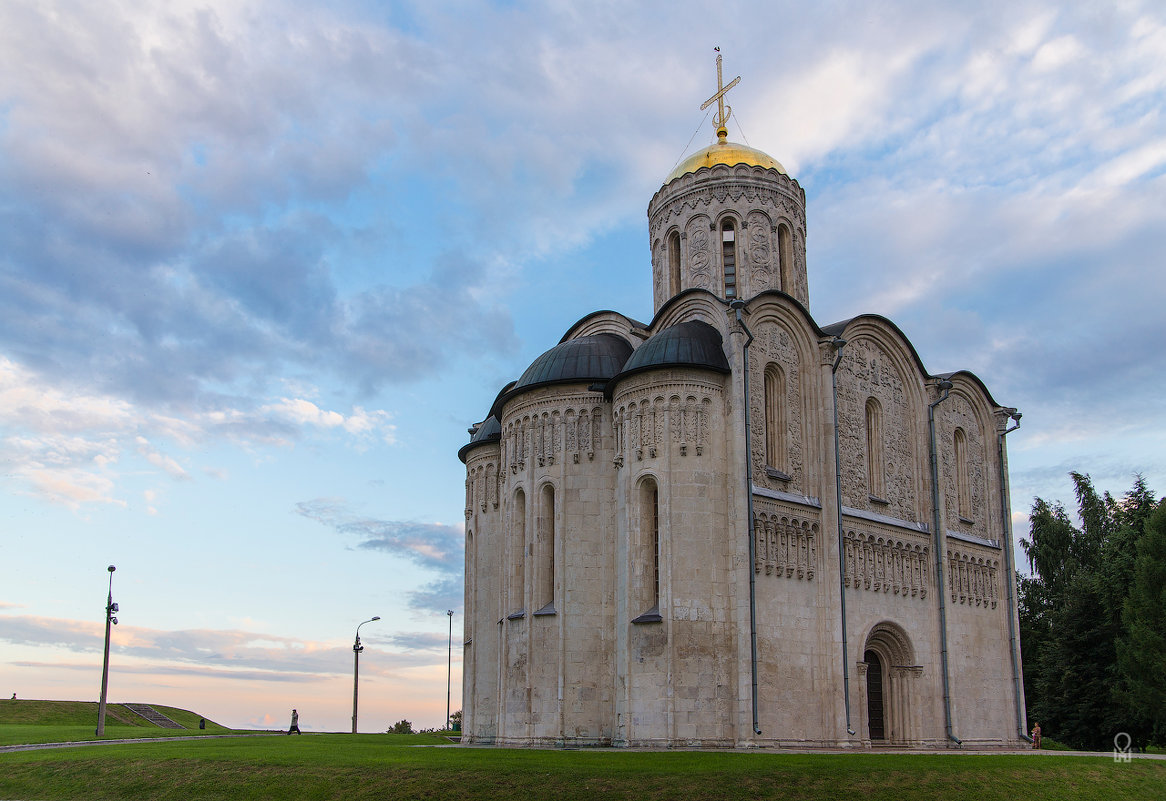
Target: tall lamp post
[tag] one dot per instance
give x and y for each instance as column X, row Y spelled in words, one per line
column 448, row 668
column 110, row 609
column 356, row 649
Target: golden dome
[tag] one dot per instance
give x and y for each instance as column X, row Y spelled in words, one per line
column 725, row 152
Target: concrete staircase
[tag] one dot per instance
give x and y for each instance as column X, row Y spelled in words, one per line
column 153, row 715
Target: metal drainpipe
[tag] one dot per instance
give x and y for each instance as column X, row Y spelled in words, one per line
column 839, row 343
column 1006, row 518
column 737, row 305
column 937, row 526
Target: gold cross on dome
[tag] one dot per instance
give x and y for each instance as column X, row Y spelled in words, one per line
column 723, row 111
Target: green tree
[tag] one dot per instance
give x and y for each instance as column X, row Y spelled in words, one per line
column 401, row 727
column 1072, row 617
column 1074, row 687
column 1141, row 650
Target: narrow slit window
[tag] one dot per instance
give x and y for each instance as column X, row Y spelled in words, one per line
column 785, row 251
column 729, row 258
column 648, row 568
column 518, row 553
column 546, row 550
column 470, row 585
column 775, row 424
column 963, row 485
column 875, row 468
column 674, row 263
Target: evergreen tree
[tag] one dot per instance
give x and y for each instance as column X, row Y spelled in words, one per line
column 1074, row 618
column 1141, row 650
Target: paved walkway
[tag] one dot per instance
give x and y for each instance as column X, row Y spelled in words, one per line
column 79, row 743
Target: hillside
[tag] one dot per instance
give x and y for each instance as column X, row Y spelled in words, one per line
column 84, row 713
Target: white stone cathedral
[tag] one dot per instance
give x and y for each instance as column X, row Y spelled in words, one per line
column 732, row 526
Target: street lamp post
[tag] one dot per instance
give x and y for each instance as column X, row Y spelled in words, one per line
column 356, row 649
column 110, row 609
column 448, row 668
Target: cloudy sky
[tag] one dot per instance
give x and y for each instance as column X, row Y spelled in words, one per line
column 261, row 263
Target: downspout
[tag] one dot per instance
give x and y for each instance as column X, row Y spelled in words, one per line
column 737, row 305
column 940, row 546
column 1006, row 519
column 839, row 343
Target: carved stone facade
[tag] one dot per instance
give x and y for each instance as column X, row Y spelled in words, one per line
column 658, row 545
column 767, row 210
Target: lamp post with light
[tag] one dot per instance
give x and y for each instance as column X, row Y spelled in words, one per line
column 448, row 668
column 356, row 649
column 110, row 620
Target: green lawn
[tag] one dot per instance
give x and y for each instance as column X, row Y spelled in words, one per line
column 26, row 721
column 380, row 766
column 22, row 735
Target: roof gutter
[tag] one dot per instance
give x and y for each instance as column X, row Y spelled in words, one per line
column 940, row 546
column 737, row 305
column 839, row 343
column 1010, row 579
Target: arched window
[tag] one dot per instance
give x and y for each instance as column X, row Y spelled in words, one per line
column 785, row 251
column 518, row 553
column 729, row 258
column 962, row 480
column 775, row 422
column 647, row 568
column 875, row 470
column 545, row 596
column 674, row 263
column 470, row 584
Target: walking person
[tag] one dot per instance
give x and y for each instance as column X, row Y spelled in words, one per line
column 295, row 724
column 1036, row 736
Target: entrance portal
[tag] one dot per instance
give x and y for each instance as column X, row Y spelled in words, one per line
column 888, row 665
column 874, row 695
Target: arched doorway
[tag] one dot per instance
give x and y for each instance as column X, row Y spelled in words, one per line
column 890, row 674
column 874, row 696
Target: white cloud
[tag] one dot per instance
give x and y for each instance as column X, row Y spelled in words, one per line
column 70, row 447
column 1057, row 53
column 238, row 654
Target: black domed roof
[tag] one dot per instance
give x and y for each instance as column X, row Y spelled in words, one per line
column 489, row 431
column 690, row 344
column 592, row 358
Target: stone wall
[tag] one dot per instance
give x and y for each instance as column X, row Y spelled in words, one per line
column 760, row 201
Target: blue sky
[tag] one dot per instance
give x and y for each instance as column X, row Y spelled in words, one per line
column 262, row 263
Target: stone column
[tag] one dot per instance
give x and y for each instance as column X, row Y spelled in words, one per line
column 861, row 719
column 914, row 688
column 901, row 730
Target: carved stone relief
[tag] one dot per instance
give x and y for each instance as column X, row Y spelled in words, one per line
column 972, row 579
column 774, row 345
column 878, row 563
column 552, row 434
column 867, row 372
column 955, row 413
column 759, row 237
column 700, row 253
column 651, row 417
column 757, row 200
column 482, row 477
column 786, row 544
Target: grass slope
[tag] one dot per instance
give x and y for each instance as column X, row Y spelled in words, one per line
column 26, row 721
column 386, row 767
column 83, row 713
